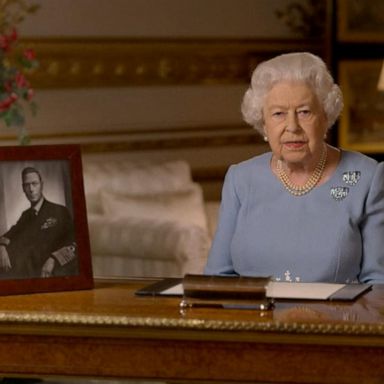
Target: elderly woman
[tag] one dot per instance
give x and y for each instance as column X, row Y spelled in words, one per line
column 306, row 211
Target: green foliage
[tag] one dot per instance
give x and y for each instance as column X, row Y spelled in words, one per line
column 16, row 92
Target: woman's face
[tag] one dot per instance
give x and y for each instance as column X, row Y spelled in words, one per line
column 294, row 122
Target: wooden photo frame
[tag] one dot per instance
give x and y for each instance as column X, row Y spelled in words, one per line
column 47, row 250
column 362, row 121
column 360, row 21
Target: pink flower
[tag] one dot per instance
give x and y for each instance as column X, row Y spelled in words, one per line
column 21, row 81
column 29, row 54
column 15, row 89
column 4, row 43
column 30, row 94
column 6, row 40
column 6, row 103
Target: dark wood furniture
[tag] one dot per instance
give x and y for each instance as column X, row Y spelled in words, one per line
column 110, row 332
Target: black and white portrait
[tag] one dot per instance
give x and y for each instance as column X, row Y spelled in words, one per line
column 37, row 233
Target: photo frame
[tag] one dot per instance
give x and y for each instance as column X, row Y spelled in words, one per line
column 360, row 21
column 47, row 250
column 361, row 125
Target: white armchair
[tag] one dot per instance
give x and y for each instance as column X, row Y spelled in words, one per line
column 146, row 219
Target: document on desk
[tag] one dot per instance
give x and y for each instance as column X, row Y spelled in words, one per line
column 311, row 291
column 275, row 290
column 314, row 291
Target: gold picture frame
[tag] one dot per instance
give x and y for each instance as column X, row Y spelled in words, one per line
column 362, row 121
column 360, row 21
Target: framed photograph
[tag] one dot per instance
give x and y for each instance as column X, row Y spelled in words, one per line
column 44, row 240
column 361, row 125
column 360, row 20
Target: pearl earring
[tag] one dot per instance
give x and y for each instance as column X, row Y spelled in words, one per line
column 266, row 138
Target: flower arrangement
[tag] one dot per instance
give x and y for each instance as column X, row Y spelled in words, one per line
column 15, row 89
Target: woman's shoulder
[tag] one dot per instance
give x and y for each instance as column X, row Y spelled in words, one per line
column 256, row 163
column 352, row 158
column 249, row 172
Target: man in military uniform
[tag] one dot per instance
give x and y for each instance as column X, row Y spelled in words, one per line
column 42, row 242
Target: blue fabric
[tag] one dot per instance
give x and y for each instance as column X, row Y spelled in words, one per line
column 263, row 230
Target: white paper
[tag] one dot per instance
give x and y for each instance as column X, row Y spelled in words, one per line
column 314, row 291
column 283, row 290
column 175, row 290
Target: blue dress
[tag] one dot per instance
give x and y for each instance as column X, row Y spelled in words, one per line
column 335, row 233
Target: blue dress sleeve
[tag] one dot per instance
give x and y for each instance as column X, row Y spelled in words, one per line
column 372, row 231
column 219, row 259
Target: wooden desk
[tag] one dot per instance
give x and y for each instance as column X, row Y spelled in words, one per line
column 108, row 332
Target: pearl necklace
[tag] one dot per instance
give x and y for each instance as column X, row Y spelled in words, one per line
column 300, row 190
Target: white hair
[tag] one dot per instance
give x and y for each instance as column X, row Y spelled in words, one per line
column 298, row 66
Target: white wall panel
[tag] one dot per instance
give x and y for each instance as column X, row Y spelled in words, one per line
column 136, row 109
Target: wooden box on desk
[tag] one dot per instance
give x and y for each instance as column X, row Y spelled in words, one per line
column 225, row 291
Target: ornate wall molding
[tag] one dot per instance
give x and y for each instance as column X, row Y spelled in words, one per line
column 84, row 63
column 81, row 63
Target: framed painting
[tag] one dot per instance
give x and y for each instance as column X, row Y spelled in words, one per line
column 44, row 240
column 362, row 121
column 360, row 21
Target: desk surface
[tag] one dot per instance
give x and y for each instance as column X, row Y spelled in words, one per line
column 110, row 332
